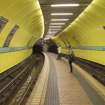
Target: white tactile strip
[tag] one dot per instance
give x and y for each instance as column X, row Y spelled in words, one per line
column 52, row 93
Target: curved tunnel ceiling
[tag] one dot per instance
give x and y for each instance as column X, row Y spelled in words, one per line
column 86, row 34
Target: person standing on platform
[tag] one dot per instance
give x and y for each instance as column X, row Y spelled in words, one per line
column 59, row 53
column 71, row 58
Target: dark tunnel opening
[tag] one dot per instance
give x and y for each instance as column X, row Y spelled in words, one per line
column 38, row 47
column 53, row 49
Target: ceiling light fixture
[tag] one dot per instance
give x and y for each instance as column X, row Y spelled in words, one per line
column 59, row 20
column 54, row 29
column 55, row 26
column 65, row 5
column 57, row 23
column 59, row 14
column 52, row 32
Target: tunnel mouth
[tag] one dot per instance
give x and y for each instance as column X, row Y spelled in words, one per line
column 38, row 47
column 51, row 46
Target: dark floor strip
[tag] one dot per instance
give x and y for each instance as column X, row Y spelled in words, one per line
column 52, row 94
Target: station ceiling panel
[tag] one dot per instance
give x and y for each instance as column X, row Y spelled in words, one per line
column 69, row 6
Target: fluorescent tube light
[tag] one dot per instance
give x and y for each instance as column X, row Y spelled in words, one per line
column 59, row 14
column 54, row 29
column 57, row 23
column 65, row 5
column 52, row 32
column 59, row 20
column 55, row 26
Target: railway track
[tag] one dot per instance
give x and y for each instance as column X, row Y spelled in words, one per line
column 94, row 69
column 12, row 81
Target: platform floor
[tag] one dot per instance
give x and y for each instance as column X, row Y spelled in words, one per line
column 57, row 86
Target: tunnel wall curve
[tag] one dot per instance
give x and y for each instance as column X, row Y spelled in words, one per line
column 21, row 25
column 86, row 35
